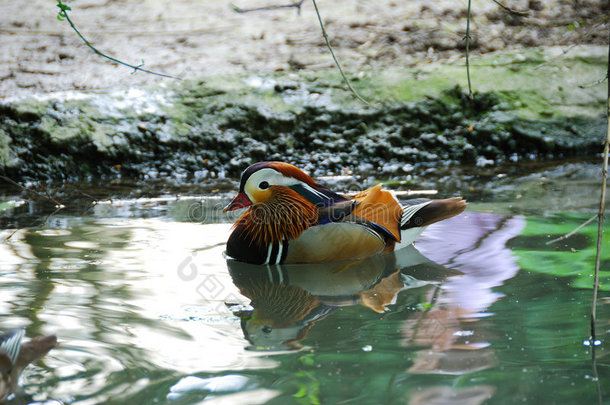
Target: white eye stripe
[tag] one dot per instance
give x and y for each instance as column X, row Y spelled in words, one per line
column 272, row 177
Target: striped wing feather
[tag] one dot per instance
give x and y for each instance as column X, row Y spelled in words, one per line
column 423, row 212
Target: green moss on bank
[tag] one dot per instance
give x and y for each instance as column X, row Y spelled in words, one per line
column 528, row 105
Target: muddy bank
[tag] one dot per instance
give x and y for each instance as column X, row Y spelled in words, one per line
column 217, row 140
column 216, row 127
column 191, row 39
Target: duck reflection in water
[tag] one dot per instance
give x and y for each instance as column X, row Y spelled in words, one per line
column 16, row 355
column 447, row 289
column 287, row 300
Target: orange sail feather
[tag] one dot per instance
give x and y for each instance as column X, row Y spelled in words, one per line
column 381, row 207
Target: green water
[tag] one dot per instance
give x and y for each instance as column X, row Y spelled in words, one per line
column 148, row 311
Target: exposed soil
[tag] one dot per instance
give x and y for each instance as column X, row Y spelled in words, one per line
column 201, row 38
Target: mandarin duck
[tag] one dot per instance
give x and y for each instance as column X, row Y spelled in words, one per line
column 15, row 356
column 293, row 219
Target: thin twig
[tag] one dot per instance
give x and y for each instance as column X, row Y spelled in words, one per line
column 92, row 198
column 63, row 13
column 567, row 235
column 131, row 33
column 511, row 11
column 46, row 220
column 595, row 83
column 467, row 38
column 602, row 206
column 566, row 51
column 296, row 5
column 11, row 235
column 347, row 82
column 45, row 196
column 94, row 201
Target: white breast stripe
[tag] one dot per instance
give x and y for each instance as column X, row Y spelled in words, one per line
column 279, row 254
column 269, row 253
column 409, row 210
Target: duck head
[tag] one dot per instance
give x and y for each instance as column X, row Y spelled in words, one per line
column 283, row 202
column 262, row 181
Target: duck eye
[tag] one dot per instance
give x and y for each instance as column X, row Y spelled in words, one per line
column 263, row 185
column 267, row 329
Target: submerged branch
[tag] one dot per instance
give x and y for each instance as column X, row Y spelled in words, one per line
column 598, row 386
column 567, row 235
column 10, row 235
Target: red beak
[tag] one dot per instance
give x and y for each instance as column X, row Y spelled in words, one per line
column 241, row 200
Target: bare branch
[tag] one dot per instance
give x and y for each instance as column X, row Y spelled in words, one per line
column 566, row 51
column 63, row 13
column 467, row 38
column 46, row 220
column 10, row 236
column 296, row 5
column 512, row 11
column 595, row 83
column 602, row 207
column 94, row 200
column 347, row 82
column 45, row 196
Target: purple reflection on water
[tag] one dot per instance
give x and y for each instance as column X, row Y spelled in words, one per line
column 475, row 244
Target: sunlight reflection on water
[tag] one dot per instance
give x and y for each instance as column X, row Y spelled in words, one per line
column 149, row 310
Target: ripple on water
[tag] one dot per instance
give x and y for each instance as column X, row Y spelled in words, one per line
column 140, row 309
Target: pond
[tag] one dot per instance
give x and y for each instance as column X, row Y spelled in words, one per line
column 147, row 309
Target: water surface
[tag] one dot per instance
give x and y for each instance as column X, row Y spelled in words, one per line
column 147, row 309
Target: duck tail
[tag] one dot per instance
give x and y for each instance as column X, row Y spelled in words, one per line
column 425, row 212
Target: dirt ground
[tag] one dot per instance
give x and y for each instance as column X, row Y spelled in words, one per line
column 187, row 38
